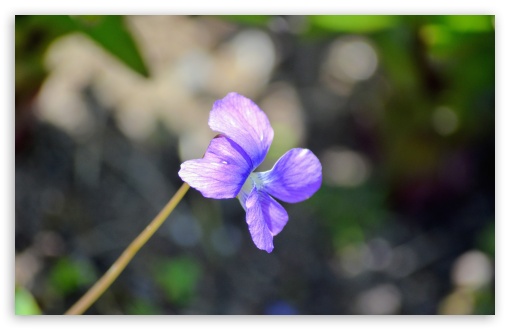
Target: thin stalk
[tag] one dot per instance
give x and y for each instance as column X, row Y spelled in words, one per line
column 118, row 266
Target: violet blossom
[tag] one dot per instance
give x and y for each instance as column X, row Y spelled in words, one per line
column 227, row 168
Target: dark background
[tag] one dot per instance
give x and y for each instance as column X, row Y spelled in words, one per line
column 399, row 109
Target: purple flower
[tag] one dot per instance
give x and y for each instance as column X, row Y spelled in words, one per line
column 226, row 170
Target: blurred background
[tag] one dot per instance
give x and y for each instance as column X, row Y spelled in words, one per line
column 399, row 109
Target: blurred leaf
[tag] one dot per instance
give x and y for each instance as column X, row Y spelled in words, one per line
column 470, row 23
column 485, row 302
column 258, row 20
column 436, row 35
column 354, row 23
column 486, row 240
column 110, row 32
column 24, row 303
column 68, row 275
column 351, row 215
column 35, row 33
column 142, row 307
column 396, row 60
column 178, row 277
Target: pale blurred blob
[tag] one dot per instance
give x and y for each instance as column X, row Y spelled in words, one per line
column 444, row 120
column 192, row 61
column 76, row 62
column 194, row 69
column 383, row 299
column 343, row 167
column 472, row 269
column 59, row 101
column 135, row 121
column 244, row 64
column 285, row 112
column 185, row 231
column 377, row 255
column 193, row 144
column 295, row 24
column 350, row 260
column 459, row 302
column 27, row 265
column 298, row 23
column 471, row 272
column 49, row 243
column 349, row 60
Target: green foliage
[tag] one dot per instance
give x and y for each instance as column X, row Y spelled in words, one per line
column 68, row 275
column 354, row 23
column 34, row 34
column 256, row 20
column 142, row 307
column 487, row 241
column 484, row 302
column 24, row 303
column 350, row 215
column 178, row 277
column 470, row 23
column 111, row 33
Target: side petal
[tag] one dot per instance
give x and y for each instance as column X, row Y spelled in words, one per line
column 296, row 176
column 241, row 120
column 221, row 172
column 265, row 217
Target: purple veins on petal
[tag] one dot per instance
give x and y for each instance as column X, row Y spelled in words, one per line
column 222, row 171
column 265, row 218
column 226, row 169
column 242, row 121
column 296, row 176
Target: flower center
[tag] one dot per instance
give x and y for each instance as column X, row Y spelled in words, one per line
column 253, row 180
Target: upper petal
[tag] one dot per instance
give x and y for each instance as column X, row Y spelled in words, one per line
column 265, row 218
column 221, row 172
column 241, row 120
column 296, row 176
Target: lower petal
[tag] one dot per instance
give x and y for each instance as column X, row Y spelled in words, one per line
column 265, row 217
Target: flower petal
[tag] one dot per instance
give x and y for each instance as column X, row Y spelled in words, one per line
column 241, row 120
column 296, row 176
column 221, row 172
column 265, row 217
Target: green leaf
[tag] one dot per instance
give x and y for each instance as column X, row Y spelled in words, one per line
column 68, row 275
column 178, row 277
column 24, row 303
column 470, row 23
column 486, row 239
column 350, row 214
column 110, row 32
column 256, row 20
column 142, row 306
column 354, row 23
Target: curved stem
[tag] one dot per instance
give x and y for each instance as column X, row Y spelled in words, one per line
column 118, row 266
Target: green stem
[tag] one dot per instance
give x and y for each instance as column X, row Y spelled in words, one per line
column 118, row 266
